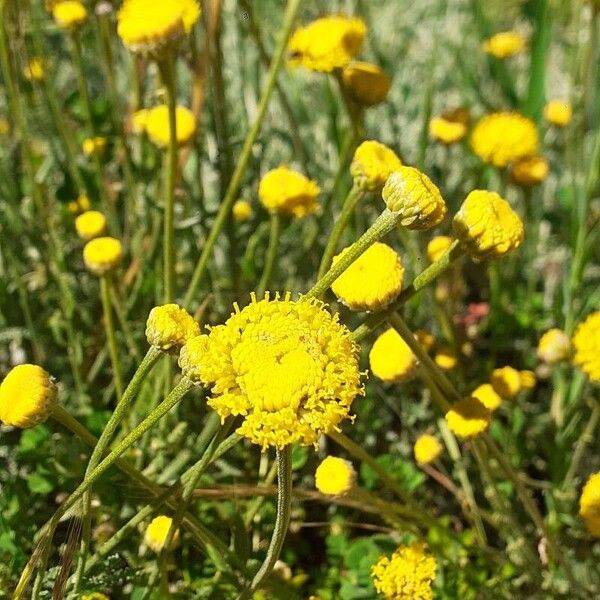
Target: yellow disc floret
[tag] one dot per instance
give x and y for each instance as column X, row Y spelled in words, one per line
column 157, row 531
column 170, row 326
column 372, row 164
column 528, row 379
column 367, row 84
column 242, row 211
column 437, row 247
column 558, row 112
column 391, row 359
column 408, row 575
column 530, row 170
column 326, row 44
column 283, row 190
column 504, row 44
column 446, row 131
column 69, row 14
column 426, row 449
column 468, row 417
column 418, row 200
column 445, row 358
column 487, row 395
column 288, row 367
column 158, row 130
column 335, row 476
column 372, row 281
column 589, row 504
column 586, row 343
column 554, row 346
column 506, row 382
column 102, row 254
column 487, row 225
column 90, row 224
column 27, row 396
column 504, row 137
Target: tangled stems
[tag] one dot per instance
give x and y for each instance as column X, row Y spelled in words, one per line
column 271, row 257
column 110, row 334
column 236, row 179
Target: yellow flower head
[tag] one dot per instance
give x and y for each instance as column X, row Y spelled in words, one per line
column 589, row 504
column 79, row 205
column 95, row 596
column 242, row 211
column 487, row 225
column 530, row 170
column 150, row 25
column 158, row 130
column 102, row 254
column 366, row 84
column 554, row 346
column 445, row 358
column 468, row 417
column 504, row 137
column 138, row 120
column 288, row 192
column 528, row 379
column 326, row 44
column 425, row 339
column 69, row 14
column 407, row 575
column 504, row 44
column 372, row 164
column 290, row 368
column 446, row 131
column 90, row 224
column 390, row 358
column 586, row 343
column 27, row 396
column 486, row 394
column 558, row 112
column 170, row 326
column 156, row 533
column 506, row 382
column 94, row 146
column 426, row 449
column 412, row 194
column 34, row 71
column 372, row 281
column 335, row 476
column 437, row 247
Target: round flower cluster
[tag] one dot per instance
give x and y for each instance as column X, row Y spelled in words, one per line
column 34, row 71
column 558, row 113
column 102, row 254
column 157, row 531
column 241, row 211
column 69, row 14
column 487, row 395
column 530, row 170
column 335, row 476
column 407, row 575
column 372, row 281
column 554, row 346
column 506, row 382
column 468, row 417
column 446, row 131
column 367, row 84
column 504, row 44
column 79, row 205
column 391, row 359
column 589, row 504
column 426, row 449
column 90, row 224
column 156, row 125
column 586, row 343
column 437, row 247
column 372, row 164
column 170, row 326
column 445, row 358
column 286, row 191
column 289, row 367
column 94, row 146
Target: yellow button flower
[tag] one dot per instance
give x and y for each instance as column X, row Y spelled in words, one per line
column 391, row 359
column 554, row 346
column 372, row 281
column 27, row 396
column 528, row 379
column 79, row 205
column 486, row 394
column 530, row 170
column 366, row 84
column 288, row 367
column 170, row 326
column 242, row 211
column 446, row 131
column 94, row 146
column 372, row 164
column 586, row 343
column 150, row 25
column 504, row 44
column 412, row 194
column 138, row 120
column 445, row 358
column 158, row 130
column 487, row 225
column 288, row 192
column 425, row 339
column 408, row 575
column 558, row 112
column 90, row 224
column 426, row 449
column 504, row 137
column 335, row 476
column 102, row 254
column 326, row 44
column 589, row 504
column 156, row 533
column 506, row 382
column 34, row 71
column 468, row 417
column 69, row 14
column 437, row 247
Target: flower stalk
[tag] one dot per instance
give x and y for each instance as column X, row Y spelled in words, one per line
column 271, row 257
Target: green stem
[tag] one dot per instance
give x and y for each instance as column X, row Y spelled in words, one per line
column 585, row 438
column 271, row 257
column 110, row 334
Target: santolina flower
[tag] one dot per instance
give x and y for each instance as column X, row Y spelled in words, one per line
column 170, row 326
column 468, row 417
column 156, row 533
column 412, row 194
column 242, row 211
column 288, row 367
column 407, row 575
column 437, row 247
column 528, row 379
column 445, row 358
column 530, row 170
column 335, row 476
column 27, row 396
column 372, row 164
column 80, row 204
column 589, row 504
column 372, row 281
column 504, row 44
column 487, row 395
column 391, row 359
column 69, row 14
column 558, row 112
column 286, row 191
column 586, row 343
column 506, row 382
column 446, row 131
column 426, row 449
column 554, row 346
column 425, row 339
column 326, row 44
column 157, row 125
column 487, row 225
column 90, row 224
column 102, row 254
column 94, row 146
column 366, row 84
column 34, row 71
column 139, row 119
column 503, row 137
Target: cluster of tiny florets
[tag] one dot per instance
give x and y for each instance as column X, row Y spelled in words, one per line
column 586, row 344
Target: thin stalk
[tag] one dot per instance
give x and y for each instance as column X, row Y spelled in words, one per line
column 110, row 334
column 271, row 257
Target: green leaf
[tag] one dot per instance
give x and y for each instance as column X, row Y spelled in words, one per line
column 38, row 484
